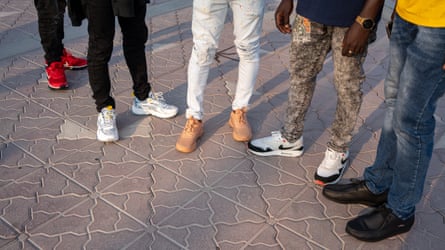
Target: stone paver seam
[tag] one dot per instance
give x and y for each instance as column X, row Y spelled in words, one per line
column 12, row 244
column 136, row 239
column 441, row 211
column 277, row 51
column 186, row 227
column 172, row 240
column 299, row 159
column 296, row 199
column 330, row 218
column 21, row 13
column 82, row 126
column 226, row 172
column 11, row 226
column 181, row 37
column 153, row 161
column 203, row 187
column 49, row 221
column 120, row 177
column 27, row 153
column 105, row 200
column 214, row 225
column 151, row 192
column 32, row 100
column 88, row 233
column 91, row 212
column 264, row 227
column 78, row 204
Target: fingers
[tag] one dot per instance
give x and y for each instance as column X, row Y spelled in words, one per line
column 349, row 51
column 282, row 23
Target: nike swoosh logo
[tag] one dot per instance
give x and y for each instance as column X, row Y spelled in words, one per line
column 281, row 147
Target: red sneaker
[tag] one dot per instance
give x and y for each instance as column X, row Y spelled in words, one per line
column 71, row 62
column 56, row 76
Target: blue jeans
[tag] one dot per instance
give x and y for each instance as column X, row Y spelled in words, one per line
column 414, row 83
column 207, row 24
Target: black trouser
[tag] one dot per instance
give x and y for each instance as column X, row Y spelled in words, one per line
column 50, row 14
column 101, row 29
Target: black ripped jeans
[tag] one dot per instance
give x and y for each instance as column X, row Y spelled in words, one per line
column 50, row 14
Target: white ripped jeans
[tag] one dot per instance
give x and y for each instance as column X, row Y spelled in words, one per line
column 207, row 23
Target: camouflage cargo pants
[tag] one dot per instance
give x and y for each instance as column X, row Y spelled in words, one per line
column 311, row 42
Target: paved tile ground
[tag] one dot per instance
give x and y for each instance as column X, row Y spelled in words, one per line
column 61, row 189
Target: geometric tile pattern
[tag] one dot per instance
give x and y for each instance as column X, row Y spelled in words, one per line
column 62, row 189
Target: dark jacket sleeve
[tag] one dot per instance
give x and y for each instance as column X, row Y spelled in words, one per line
column 76, row 12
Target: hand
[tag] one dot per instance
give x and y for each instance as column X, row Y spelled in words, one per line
column 355, row 40
column 282, row 14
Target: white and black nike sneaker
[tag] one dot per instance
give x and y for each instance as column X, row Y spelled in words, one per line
column 332, row 167
column 276, row 144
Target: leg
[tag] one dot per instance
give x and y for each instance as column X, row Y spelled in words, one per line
column 348, row 78
column 412, row 100
column 248, row 20
column 379, row 175
column 50, row 14
column 422, row 83
column 100, row 46
column 208, row 21
column 309, row 47
column 135, row 35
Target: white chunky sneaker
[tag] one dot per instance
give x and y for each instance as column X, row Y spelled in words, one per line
column 276, row 144
column 332, row 167
column 154, row 105
column 106, row 125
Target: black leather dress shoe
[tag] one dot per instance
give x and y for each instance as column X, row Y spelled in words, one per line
column 354, row 192
column 378, row 225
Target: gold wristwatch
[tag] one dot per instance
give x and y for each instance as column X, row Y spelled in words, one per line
column 366, row 23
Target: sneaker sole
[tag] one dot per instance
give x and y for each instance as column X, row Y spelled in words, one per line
column 72, row 67
column 103, row 138
column 159, row 115
column 58, row 88
column 75, row 67
column 395, row 232
column 182, row 149
column 239, row 138
column 321, row 183
column 286, row 153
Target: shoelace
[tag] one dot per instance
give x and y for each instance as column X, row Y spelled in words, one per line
column 159, row 97
column 108, row 116
column 242, row 116
column 333, row 155
column 189, row 126
column 277, row 135
column 69, row 58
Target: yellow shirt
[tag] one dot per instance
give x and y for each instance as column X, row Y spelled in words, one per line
column 429, row 13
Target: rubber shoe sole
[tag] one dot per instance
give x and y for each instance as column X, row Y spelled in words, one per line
column 322, row 181
column 287, row 153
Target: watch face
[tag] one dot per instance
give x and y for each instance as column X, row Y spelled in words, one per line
column 367, row 24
